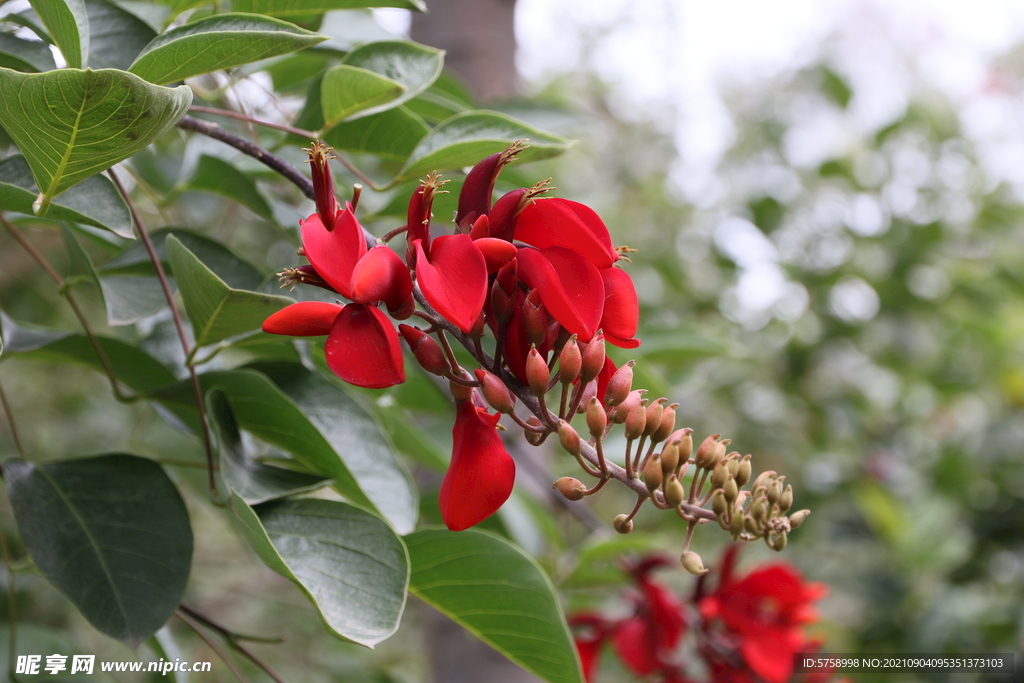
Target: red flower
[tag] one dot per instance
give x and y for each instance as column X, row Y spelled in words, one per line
column 481, row 473
column 765, row 611
column 591, row 631
column 645, row 640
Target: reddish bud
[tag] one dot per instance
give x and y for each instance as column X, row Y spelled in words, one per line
column 619, row 385
column 323, row 183
column 668, row 423
column 705, row 457
column 508, row 275
column 623, row 524
column 427, row 351
column 501, row 305
column 670, row 457
column 481, row 228
column 535, row 438
column 569, row 438
column 535, row 319
column 570, row 360
column 597, row 421
column 537, row 373
column 653, row 475
column 589, row 393
column 460, row 392
column 593, row 359
column 654, row 413
column 478, row 188
column 636, row 421
column 495, row 392
column 621, row 412
column 571, row 489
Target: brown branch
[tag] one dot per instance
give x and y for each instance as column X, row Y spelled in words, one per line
column 213, row 646
column 10, row 421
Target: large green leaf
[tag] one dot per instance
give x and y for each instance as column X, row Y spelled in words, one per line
column 378, row 76
column 466, row 138
column 253, row 481
column 393, row 134
column 111, row 532
column 68, row 24
column 115, row 35
column 218, row 176
column 347, row 561
column 498, row 593
column 218, row 42
column 301, row 8
column 216, row 310
column 94, row 201
column 25, row 55
column 104, row 117
column 129, row 299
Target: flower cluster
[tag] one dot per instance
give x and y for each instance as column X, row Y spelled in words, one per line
column 539, row 278
column 746, row 630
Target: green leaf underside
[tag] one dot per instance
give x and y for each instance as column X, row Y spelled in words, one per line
column 355, row 436
column 68, row 24
column 25, row 55
column 116, row 36
column 94, row 201
column 253, row 481
column 80, row 269
column 470, row 136
column 215, row 310
column 347, row 91
column 347, row 561
column 218, row 42
column 393, row 134
column 72, row 124
column 498, row 593
column 111, row 532
column 285, row 8
column 218, row 176
column 129, row 299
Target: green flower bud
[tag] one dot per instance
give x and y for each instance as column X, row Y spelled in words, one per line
column 719, row 505
column 653, row 474
column 786, row 501
column 674, row 492
column 670, row 457
column 743, row 471
column 720, row 475
column 731, row 490
column 693, row 564
column 797, row 518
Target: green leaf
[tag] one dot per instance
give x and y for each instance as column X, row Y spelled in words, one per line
column 80, row 269
column 499, row 594
column 218, row 176
column 25, row 55
column 68, row 24
column 105, row 116
column 110, row 532
column 115, row 35
column 286, row 8
column 392, row 134
column 216, row 310
column 94, row 201
column 347, row 91
column 403, row 70
column 129, row 299
column 253, row 481
column 466, row 138
column 233, row 270
column 218, row 42
column 348, row 562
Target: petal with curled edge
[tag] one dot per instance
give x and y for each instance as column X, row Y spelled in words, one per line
column 454, row 279
column 481, row 474
column 621, row 309
column 496, row 252
column 304, row 319
column 363, row 348
column 556, row 222
column 381, row 275
column 570, row 287
column 334, row 253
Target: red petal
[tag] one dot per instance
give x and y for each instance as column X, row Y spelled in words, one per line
column 363, row 348
column 635, row 646
column 604, row 377
column 481, row 474
column 454, row 280
column 304, row 319
column 570, row 287
column 559, row 222
column 769, row 653
column 621, row 309
column 666, row 613
column 334, row 253
column 589, row 649
column 496, row 252
column 381, row 275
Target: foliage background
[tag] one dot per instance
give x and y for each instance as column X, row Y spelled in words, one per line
column 849, row 313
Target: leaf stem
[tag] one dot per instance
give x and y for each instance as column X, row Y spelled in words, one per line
column 38, row 257
column 10, row 421
column 12, row 601
column 182, row 336
column 233, row 639
column 213, row 646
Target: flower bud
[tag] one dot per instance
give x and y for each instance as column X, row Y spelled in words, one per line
column 652, row 473
column 589, row 393
column 719, row 453
column 732, row 461
column 623, row 524
column 670, row 457
column 501, row 305
column 597, row 421
column 427, row 351
column 593, row 359
column 736, row 526
column 571, row 489
column 495, row 392
column 705, row 457
column 323, row 184
column 535, row 319
column 693, row 564
column 778, row 543
column 619, row 385
column 570, row 361
column 569, row 438
column 685, row 443
column 532, row 437
column 619, row 413
column 654, row 412
column 764, row 479
column 719, row 505
column 674, row 492
column 507, row 277
column 775, row 492
column 667, row 424
column 743, row 471
column 731, row 490
column 786, row 501
column 797, row 518
column 459, row 392
column 636, row 419
column 719, row 475
column 537, row 373
column 759, row 509
column 750, row 526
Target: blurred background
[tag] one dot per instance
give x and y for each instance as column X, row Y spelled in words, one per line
column 827, row 199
